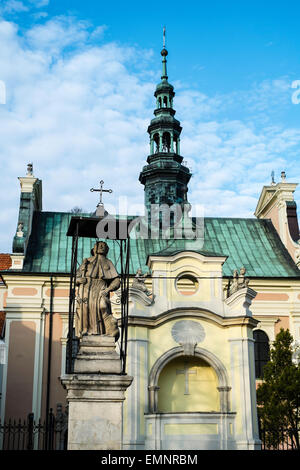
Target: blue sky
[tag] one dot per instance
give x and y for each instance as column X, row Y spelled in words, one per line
column 80, row 78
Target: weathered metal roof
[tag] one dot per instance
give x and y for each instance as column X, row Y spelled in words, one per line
column 252, row 243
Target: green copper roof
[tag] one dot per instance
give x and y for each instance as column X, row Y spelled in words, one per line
column 252, row 243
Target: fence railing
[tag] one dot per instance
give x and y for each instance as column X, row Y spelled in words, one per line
column 278, row 439
column 28, row 434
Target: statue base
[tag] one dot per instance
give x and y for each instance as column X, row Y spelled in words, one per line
column 95, row 394
column 97, row 354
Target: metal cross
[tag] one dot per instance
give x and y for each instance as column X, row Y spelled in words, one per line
column 101, row 191
column 186, row 373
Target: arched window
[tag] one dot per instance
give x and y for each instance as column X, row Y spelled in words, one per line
column 156, row 141
column 261, row 352
column 165, row 102
column 166, row 142
column 176, row 142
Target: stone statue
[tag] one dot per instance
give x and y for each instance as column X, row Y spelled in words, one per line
column 239, row 281
column 139, row 282
column 242, row 280
column 20, row 232
column 95, row 279
column 29, row 169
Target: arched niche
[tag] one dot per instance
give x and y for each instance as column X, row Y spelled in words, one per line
column 187, row 384
column 200, row 357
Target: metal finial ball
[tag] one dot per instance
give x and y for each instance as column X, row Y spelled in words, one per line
column 164, row 52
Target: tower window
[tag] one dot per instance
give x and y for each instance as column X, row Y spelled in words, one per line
column 156, row 141
column 165, row 102
column 166, row 142
column 261, row 352
column 176, row 144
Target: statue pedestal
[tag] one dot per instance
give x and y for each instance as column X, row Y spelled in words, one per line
column 96, row 392
column 97, row 354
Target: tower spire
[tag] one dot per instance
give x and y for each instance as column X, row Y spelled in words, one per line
column 165, row 177
column 164, row 54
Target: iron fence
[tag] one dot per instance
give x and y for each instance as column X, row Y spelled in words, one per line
column 28, row 434
column 279, row 439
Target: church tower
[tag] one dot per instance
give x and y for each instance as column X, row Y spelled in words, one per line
column 165, row 178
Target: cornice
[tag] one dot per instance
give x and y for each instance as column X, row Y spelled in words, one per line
column 36, row 278
column 186, row 254
column 194, row 312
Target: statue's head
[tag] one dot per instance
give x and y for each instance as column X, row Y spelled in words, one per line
column 100, row 248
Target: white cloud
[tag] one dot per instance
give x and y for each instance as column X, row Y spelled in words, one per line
column 12, row 6
column 79, row 117
column 57, row 34
column 98, row 32
column 40, row 3
column 19, row 6
column 79, row 110
column 40, row 14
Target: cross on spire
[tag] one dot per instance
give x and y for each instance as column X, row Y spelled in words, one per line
column 101, row 191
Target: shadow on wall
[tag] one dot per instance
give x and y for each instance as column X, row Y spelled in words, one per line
column 27, row 368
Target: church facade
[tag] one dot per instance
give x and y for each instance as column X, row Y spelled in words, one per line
column 199, row 308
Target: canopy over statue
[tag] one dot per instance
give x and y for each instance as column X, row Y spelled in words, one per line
column 95, row 279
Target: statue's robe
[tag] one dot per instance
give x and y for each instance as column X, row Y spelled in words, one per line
column 93, row 312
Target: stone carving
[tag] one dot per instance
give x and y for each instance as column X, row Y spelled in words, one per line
column 20, row 232
column 283, row 177
column 297, row 254
column 188, row 334
column 95, row 279
column 139, row 291
column 116, row 298
column 239, row 281
column 29, row 169
column 139, row 282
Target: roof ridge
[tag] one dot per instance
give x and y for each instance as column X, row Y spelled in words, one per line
column 210, row 217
